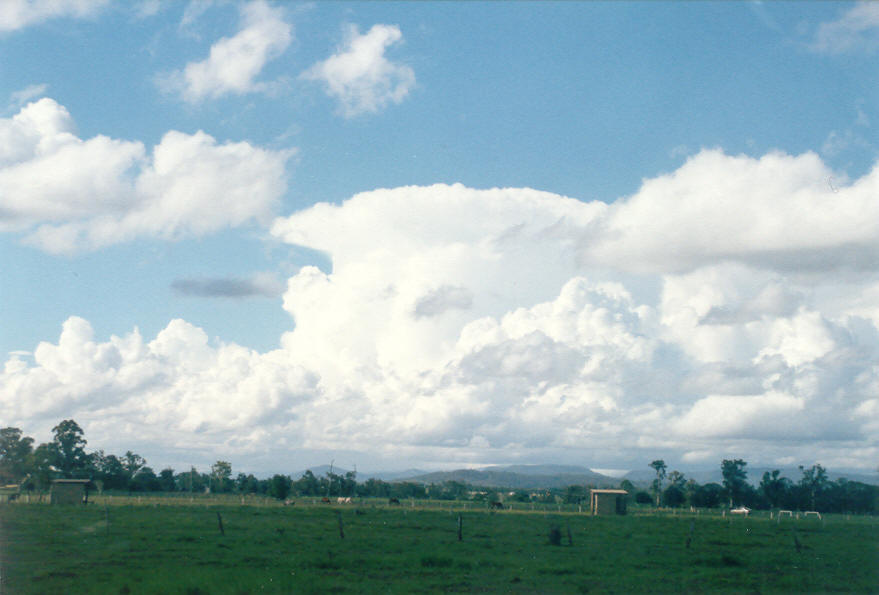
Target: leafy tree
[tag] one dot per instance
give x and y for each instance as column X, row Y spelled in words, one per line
column 674, row 496
column 166, row 480
column 221, row 476
column 375, row 488
column 677, row 478
column 190, row 481
column 308, row 485
column 707, row 496
column 449, row 490
column 279, row 486
column 690, row 489
column 643, row 497
column 247, row 484
column 774, row 488
column 132, row 463
column 145, row 480
column 659, row 466
column 734, row 479
column 15, row 454
column 575, row 494
column 348, row 484
column 627, row 485
column 409, row 489
column 813, row 482
column 521, row 496
column 241, row 483
column 42, row 465
column 68, row 447
column 112, row 471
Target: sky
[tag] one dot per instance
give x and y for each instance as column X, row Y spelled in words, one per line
column 440, row 235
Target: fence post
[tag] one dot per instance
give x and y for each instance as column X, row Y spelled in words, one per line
column 220, row 524
column 341, row 529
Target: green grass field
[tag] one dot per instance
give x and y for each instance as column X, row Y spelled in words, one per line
column 148, row 547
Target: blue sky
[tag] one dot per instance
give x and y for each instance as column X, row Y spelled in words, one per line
column 181, row 149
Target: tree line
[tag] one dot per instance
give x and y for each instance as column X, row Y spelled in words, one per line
column 65, row 456
column 812, row 491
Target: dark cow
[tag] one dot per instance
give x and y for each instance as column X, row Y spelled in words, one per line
column 325, row 500
column 394, row 501
column 496, row 505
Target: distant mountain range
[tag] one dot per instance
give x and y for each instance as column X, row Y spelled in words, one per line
column 322, row 470
column 521, row 477
column 532, row 477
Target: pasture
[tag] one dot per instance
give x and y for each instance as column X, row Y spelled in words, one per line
column 175, row 545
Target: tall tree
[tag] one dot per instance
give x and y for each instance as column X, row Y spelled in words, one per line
column 15, row 452
column 279, row 486
column 675, row 494
column 813, row 482
column 734, row 479
column 221, row 476
column 166, row 480
column 658, row 466
column 774, row 488
column 112, row 471
column 43, row 465
column 132, row 463
column 69, row 448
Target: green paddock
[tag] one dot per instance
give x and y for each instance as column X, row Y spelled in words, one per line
column 117, row 544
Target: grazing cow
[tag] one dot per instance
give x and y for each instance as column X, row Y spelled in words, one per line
column 496, row 505
column 394, row 501
column 325, row 500
column 289, row 503
column 743, row 510
column 343, row 500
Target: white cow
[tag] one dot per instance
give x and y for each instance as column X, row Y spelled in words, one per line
column 744, row 510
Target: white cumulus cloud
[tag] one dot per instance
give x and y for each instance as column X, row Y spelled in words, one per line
column 68, row 194
column 856, row 30
column 359, row 75
column 18, row 14
column 235, row 62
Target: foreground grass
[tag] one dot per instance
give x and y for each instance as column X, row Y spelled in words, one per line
column 179, row 549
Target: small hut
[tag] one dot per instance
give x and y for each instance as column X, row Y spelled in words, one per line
column 69, row 491
column 609, row 501
column 10, row 492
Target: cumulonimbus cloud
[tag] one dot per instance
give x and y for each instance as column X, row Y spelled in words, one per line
column 101, row 191
column 359, row 75
column 672, row 323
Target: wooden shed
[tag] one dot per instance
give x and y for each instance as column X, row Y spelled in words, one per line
column 10, row 492
column 609, row 501
column 69, row 491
